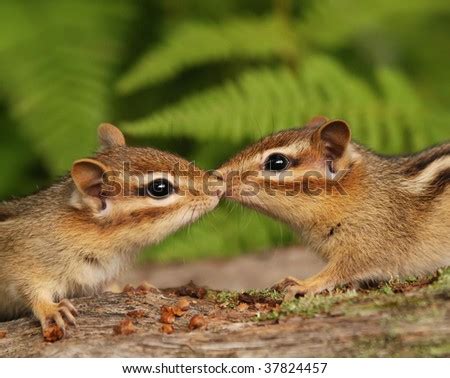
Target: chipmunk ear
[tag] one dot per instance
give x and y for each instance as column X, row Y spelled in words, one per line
column 87, row 174
column 333, row 137
column 317, row 121
column 110, row 136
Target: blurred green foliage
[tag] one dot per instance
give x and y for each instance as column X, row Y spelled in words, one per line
column 204, row 78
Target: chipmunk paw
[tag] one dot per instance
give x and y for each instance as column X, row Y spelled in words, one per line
column 285, row 283
column 301, row 290
column 67, row 309
column 54, row 319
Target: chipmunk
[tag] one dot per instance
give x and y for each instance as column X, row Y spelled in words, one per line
column 72, row 238
column 369, row 216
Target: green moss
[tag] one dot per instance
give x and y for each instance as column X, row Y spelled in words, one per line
column 393, row 345
column 231, row 299
column 411, row 279
column 442, row 285
column 431, row 350
column 228, row 299
column 265, row 294
column 309, row 306
column 393, row 306
column 386, row 289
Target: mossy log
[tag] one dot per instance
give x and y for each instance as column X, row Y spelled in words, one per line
column 400, row 319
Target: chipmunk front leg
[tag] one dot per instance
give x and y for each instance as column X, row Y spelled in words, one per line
column 286, row 282
column 53, row 316
column 327, row 279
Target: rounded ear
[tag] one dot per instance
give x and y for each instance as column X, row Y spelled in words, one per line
column 333, row 137
column 317, row 121
column 110, row 136
column 87, row 175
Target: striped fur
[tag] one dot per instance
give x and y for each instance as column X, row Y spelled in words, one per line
column 390, row 218
column 60, row 243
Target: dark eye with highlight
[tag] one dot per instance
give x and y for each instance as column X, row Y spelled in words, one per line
column 159, row 188
column 276, row 162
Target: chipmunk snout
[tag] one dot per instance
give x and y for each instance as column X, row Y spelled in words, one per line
column 219, row 188
column 220, row 192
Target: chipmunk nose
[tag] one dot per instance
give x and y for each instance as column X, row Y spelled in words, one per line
column 219, row 185
column 220, row 191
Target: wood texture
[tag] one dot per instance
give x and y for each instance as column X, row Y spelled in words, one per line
column 416, row 325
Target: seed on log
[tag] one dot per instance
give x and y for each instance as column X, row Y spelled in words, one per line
column 125, row 327
column 53, row 333
column 197, row 321
column 167, row 328
column 167, row 315
column 183, row 304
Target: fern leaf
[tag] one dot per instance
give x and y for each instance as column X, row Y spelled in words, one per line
column 58, row 91
column 271, row 99
column 333, row 23
column 195, row 43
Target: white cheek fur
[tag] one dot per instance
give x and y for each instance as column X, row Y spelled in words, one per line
column 135, row 204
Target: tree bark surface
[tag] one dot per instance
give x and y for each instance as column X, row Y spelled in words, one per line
column 404, row 324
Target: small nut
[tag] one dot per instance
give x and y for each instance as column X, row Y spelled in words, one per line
column 197, row 321
column 167, row 315
column 183, row 304
column 2, row 334
column 53, row 333
column 201, row 292
column 178, row 312
column 242, row 307
column 125, row 327
column 167, row 328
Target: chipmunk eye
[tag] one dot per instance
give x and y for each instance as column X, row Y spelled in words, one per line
column 160, row 188
column 276, row 162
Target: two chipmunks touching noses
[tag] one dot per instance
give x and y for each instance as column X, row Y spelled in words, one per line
column 370, row 217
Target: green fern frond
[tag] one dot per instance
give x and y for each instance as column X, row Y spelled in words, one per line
column 266, row 100
column 59, row 89
column 333, row 23
column 193, row 43
column 11, row 144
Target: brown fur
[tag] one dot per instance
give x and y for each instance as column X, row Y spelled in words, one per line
column 72, row 238
column 392, row 220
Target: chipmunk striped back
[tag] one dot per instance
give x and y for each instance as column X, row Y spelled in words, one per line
column 428, row 171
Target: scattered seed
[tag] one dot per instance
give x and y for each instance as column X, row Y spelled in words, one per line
column 167, row 315
column 167, row 328
column 53, row 333
column 191, row 290
column 262, row 306
column 178, row 312
column 242, row 307
column 183, row 304
column 197, row 321
column 125, row 327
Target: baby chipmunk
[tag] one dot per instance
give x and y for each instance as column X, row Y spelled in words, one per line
column 72, row 238
column 370, row 217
